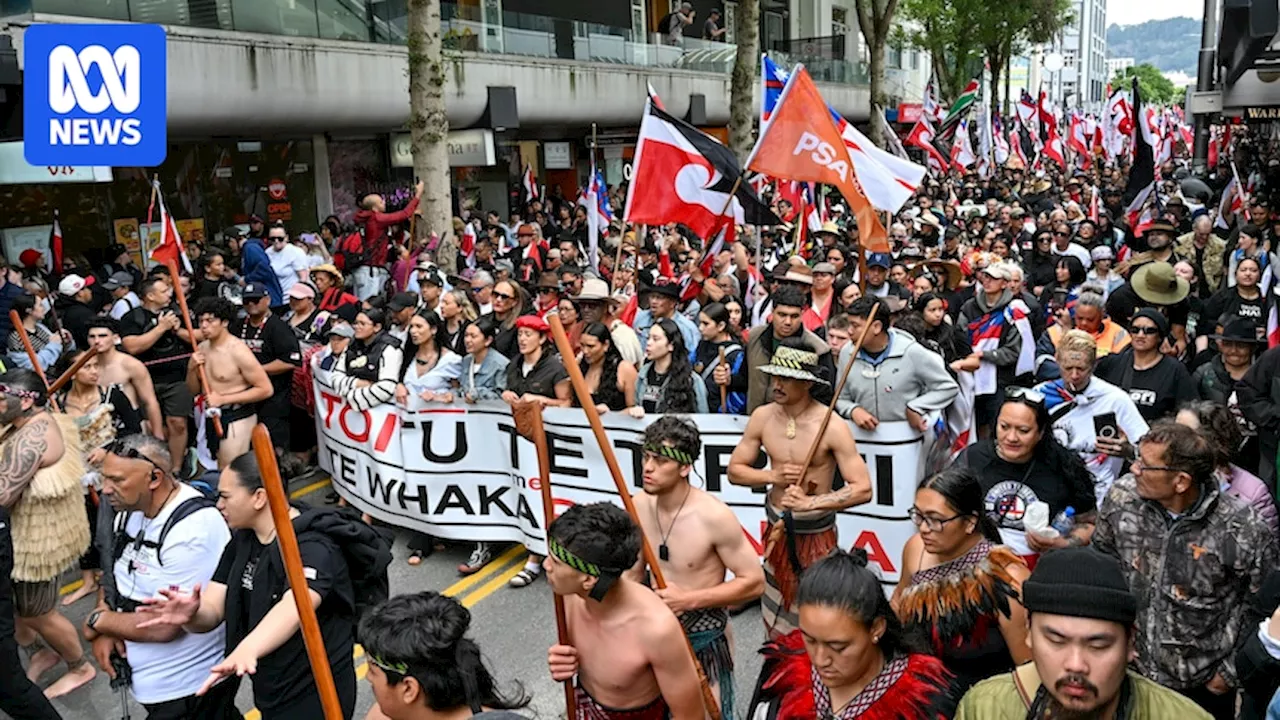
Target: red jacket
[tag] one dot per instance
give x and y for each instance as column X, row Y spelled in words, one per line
column 375, row 230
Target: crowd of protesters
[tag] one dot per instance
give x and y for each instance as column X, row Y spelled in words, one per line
column 1108, row 387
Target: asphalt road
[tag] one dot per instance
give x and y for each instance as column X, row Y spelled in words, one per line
column 513, row 627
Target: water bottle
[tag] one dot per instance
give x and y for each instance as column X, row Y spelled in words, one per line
column 1065, row 522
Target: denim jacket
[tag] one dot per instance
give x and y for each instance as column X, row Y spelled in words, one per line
column 490, row 378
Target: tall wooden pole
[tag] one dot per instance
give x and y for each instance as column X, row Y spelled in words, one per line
column 528, row 417
column 191, row 335
column 21, row 329
column 288, row 543
column 579, row 382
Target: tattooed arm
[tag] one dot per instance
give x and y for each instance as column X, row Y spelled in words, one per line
column 857, row 480
column 21, row 456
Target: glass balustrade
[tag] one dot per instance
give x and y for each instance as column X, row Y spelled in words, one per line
column 479, row 27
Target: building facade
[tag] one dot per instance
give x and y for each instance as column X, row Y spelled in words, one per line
column 1082, row 47
column 294, row 109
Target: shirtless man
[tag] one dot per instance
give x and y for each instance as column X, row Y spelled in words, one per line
column 117, row 368
column 31, row 559
column 804, row 523
column 626, row 648
column 236, row 380
column 700, row 538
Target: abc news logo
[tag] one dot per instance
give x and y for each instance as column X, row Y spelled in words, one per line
column 96, row 95
column 121, row 89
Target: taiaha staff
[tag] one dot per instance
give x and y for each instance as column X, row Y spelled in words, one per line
column 191, row 335
column 21, row 329
column 66, row 377
column 831, row 408
column 528, row 417
column 288, row 543
column 724, row 389
column 579, row 382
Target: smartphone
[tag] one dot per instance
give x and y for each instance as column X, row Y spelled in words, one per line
column 1105, row 426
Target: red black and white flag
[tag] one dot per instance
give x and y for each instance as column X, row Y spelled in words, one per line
column 1145, row 139
column 170, row 249
column 682, row 175
column 54, row 256
column 530, row 185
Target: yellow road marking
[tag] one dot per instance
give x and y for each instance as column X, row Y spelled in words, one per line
column 490, row 587
column 493, row 566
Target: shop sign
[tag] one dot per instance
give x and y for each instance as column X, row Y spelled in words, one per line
column 466, row 148
column 222, row 172
column 909, row 113
column 277, row 189
column 557, row 155
column 1262, row 113
column 14, row 170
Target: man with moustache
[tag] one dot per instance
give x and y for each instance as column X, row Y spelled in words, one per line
column 1081, row 616
column 700, row 538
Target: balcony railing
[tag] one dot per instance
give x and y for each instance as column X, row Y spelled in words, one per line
column 464, row 27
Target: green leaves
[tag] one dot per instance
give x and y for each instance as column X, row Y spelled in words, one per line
column 1155, row 87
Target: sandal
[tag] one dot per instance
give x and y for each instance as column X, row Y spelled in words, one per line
column 524, row 578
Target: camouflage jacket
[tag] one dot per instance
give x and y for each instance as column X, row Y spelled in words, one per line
column 1193, row 577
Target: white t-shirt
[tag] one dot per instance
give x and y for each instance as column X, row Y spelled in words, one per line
column 122, row 306
column 176, row 669
column 1076, row 431
column 1078, row 252
column 287, row 263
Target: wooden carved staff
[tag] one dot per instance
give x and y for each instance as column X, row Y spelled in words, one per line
column 21, row 329
column 191, row 335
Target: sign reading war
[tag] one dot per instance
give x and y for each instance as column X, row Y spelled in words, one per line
column 463, row 472
column 96, row 95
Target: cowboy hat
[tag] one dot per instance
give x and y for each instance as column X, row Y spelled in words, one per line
column 328, row 268
column 949, row 270
column 829, row 228
column 1158, row 284
column 1239, row 329
column 1040, row 186
column 593, row 289
column 795, row 364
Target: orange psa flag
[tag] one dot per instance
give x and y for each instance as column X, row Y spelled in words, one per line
column 801, row 142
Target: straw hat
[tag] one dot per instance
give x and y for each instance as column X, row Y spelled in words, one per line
column 795, row 364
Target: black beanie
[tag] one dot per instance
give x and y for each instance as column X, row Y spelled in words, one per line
column 1155, row 316
column 1080, row 582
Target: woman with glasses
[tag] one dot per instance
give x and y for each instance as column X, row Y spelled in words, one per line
column 573, row 324
column 1157, row 383
column 959, row 586
column 369, row 370
column 509, row 302
column 667, row 383
column 1041, row 264
column 458, row 312
column 1024, row 464
column 1218, row 423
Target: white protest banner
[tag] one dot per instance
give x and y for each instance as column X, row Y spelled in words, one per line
column 462, row 472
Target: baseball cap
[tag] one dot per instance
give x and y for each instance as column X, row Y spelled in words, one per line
column 302, row 290
column 402, row 300
column 73, row 284
column 881, row 260
column 254, row 291
column 341, row 329
column 824, row 267
column 118, row 280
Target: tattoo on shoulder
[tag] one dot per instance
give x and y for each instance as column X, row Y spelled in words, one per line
column 20, row 457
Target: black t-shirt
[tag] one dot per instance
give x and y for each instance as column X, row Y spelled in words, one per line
column 273, row 340
column 1124, row 302
column 167, row 359
column 1009, row 488
column 1158, row 391
column 1229, row 302
column 283, row 686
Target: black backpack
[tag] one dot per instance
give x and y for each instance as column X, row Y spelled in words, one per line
column 185, row 509
column 366, row 551
column 664, row 25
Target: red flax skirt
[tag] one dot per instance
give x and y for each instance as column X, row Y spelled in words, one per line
column 811, row 540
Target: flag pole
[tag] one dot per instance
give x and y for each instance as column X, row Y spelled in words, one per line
column 151, row 207
column 528, row 417
column 21, row 329
column 579, row 382
column 288, row 544
column 191, row 335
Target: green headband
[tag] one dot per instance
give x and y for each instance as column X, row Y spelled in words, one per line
column 398, row 668
column 605, row 576
column 667, row 451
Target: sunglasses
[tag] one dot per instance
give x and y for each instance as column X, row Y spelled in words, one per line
column 1144, row 330
column 117, row 447
column 503, row 296
column 1061, row 234
column 1027, row 394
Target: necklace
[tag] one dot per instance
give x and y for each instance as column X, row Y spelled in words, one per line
column 664, row 553
column 791, row 426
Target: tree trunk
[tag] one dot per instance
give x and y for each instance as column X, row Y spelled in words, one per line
column 876, row 70
column 997, row 64
column 742, row 84
column 429, row 128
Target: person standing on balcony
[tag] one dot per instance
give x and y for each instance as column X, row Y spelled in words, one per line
column 711, row 29
column 675, row 22
column 373, row 216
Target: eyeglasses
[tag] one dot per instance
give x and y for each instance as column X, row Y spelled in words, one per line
column 503, row 296
column 117, row 447
column 1144, row 330
column 1139, row 466
column 932, row 524
column 1061, row 234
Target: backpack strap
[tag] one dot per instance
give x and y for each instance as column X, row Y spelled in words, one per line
column 185, row 509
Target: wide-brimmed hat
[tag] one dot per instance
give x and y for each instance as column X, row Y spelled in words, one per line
column 1160, row 225
column 948, row 270
column 1039, row 186
column 829, row 228
column 665, row 287
column 549, row 281
column 1239, row 329
column 328, row 268
column 593, row 289
column 795, row 364
column 1158, row 284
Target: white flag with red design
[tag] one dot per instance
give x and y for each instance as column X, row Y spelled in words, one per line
column 170, row 248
